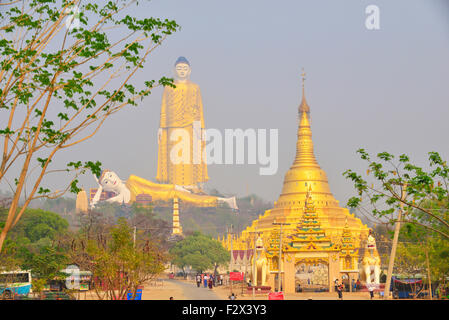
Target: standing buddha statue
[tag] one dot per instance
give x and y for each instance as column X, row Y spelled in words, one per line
column 182, row 108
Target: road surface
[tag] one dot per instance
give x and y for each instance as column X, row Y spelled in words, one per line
column 191, row 292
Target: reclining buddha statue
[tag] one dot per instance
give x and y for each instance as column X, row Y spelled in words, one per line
column 127, row 191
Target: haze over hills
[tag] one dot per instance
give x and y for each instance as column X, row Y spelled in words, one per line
column 211, row 221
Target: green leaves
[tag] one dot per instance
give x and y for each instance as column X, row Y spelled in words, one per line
column 43, row 191
column 167, row 82
column 59, row 83
column 6, row 131
column 74, row 187
column 388, row 180
column 93, row 167
column 42, row 161
column 353, row 202
column 189, row 251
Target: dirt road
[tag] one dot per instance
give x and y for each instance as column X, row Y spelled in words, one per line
column 179, row 290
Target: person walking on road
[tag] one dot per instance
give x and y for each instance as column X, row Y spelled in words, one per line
column 210, row 282
column 340, row 291
column 206, row 278
column 198, row 280
column 371, row 291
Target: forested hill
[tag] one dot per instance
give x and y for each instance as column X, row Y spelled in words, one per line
column 215, row 221
column 211, row 221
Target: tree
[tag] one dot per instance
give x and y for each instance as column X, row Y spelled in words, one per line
column 35, row 243
column 200, row 252
column 117, row 265
column 66, row 67
column 422, row 252
column 426, row 201
column 418, row 196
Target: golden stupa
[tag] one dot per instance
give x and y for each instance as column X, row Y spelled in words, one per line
column 304, row 175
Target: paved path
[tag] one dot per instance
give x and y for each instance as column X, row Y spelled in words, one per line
column 191, row 292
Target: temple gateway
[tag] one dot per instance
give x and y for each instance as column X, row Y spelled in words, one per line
column 320, row 239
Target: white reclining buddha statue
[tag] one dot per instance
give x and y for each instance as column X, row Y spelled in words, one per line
column 127, row 191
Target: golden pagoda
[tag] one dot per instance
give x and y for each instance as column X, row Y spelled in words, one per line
column 304, row 181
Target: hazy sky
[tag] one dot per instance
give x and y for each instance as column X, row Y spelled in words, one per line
column 384, row 90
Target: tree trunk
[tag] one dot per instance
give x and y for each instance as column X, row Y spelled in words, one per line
column 428, row 273
column 397, row 230
column 2, row 238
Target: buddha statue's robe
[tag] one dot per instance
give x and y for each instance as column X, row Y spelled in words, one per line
column 181, row 107
column 166, row 192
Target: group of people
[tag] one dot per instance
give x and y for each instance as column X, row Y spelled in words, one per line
column 208, row 280
column 340, row 287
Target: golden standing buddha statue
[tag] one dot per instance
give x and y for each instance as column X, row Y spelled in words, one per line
column 182, row 108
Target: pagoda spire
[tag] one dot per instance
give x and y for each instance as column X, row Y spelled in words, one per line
column 303, row 106
column 304, row 144
column 305, row 170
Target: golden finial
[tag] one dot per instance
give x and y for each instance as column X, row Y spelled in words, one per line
column 303, row 75
column 303, row 107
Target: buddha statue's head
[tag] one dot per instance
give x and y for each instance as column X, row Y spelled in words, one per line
column 110, row 181
column 182, row 69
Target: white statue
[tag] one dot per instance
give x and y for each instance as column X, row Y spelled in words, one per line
column 109, row 181
column 371, row 262
column 127, row 191
column 260, row 278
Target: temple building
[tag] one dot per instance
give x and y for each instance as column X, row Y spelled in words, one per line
column 315, row 229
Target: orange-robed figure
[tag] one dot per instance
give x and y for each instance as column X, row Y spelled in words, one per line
column 181, row 132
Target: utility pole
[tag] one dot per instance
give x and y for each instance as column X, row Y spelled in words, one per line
column 280, row 250
column 246, row 261
column 254, row 282
column 246, row 257
column 134, row 236
column 232, row 254
column 394, row 245
column 232, row 236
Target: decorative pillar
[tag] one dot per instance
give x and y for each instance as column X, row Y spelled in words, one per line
column 270, row 281
column 289, row 274
column 334, row 270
